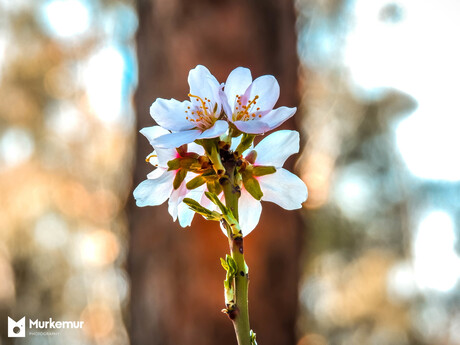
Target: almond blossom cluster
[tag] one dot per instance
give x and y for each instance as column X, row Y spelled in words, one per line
column 201, row 141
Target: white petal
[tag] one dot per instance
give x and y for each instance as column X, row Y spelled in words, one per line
column 256, row 126
column 177, row 139
column 192, row 147
column 185, row 214
column 283, row 188
column 160, row 157
column 276, row 117
column 154, row 192
column 268, row 90
column 176, row 197
column 156, row 173
column 225, row 104
column 171, row 114
column 235, row 142
column 203, row 84
column 219, row 128
column 165, row 155
column 275, row 148
column 153, row 132
column 237, row 83
column 153, row 159
column 249, row 210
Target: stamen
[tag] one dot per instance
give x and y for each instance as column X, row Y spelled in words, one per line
column 204, row 117
column 244, row 112
column 198, row 98
column 150, row 157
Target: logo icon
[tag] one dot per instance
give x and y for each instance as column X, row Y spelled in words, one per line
column 16, row 329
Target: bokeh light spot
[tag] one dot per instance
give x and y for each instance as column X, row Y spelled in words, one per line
column 103, row 79
column 437, row 266
column 66, row 18
column 16, row 147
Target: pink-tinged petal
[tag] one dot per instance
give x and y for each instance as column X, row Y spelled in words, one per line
column 256, row 126
column 203, row 84
column 177, row 139
column 275, row 148
column 165, row 155
column 154, row 192
column 236, row 85
column 205, row 202
column 276, row 117
column 219, row 128
column 283, row 188
column 171, row 114
column 249, row 212
column 268, row 90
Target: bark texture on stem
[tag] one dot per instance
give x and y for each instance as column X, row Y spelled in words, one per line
column 176, row 300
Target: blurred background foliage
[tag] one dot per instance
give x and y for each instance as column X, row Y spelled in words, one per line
column 381, row 122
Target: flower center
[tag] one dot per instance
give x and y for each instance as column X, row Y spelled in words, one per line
column 246, row 112
column 201, row 115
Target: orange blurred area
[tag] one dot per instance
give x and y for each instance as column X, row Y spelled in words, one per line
column 65, row 165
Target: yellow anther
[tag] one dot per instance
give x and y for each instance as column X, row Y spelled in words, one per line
column 150, row 157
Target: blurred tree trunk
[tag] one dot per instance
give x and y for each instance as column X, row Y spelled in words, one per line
column 177, row 289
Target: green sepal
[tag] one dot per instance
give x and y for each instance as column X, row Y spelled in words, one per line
column 245, row 143
column 196, row 166
column 214, row 186
column 216, row 161
column 182, row 150
column 210, row 146
column 229, row 265
column 252, row 185
column 187, row 162
column 196, row 207
column 263, row 170
column 174, row 164
column 224, row 264
column 215, row 199
column 195, row 182
column 232, row 266
column 251, row 156
column 227, row 215
column 180, row 176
